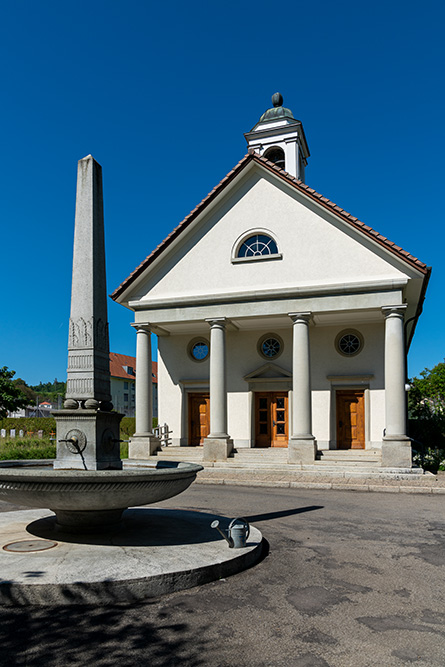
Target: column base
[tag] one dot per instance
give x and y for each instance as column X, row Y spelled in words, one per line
column 143, row 445
column 302, row 450
column 216, row 449
column 396, row 452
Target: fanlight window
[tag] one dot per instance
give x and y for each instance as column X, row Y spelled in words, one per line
column 258, row 245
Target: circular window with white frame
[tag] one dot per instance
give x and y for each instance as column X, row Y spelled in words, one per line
column 270, row 346
column 198, row 349
column 349, row 342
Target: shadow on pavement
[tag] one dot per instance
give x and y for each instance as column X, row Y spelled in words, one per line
column 282, row 513
column 106, row 637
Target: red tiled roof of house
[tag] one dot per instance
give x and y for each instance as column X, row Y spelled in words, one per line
column 299, row 185
column 119, row 361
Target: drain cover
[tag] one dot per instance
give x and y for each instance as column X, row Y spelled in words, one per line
column 26, row 546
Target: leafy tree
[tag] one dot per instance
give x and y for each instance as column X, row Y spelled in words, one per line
column 426, row 396
column 11, row 397
column 29, row 393
column 426, row 408
column 49, row 391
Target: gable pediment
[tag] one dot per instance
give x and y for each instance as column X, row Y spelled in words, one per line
column 319, row 246
column 268, row 371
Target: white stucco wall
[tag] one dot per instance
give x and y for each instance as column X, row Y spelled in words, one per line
column 317, row 248
column 178, row 374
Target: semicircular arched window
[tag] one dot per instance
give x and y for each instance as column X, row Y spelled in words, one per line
column 258, row 245
column 276, row 154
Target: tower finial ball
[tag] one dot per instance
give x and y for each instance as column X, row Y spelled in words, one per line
column 277, row 100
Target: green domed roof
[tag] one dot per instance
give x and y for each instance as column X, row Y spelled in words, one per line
column 278, row 111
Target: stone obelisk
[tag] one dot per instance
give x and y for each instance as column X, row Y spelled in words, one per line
column 87, row 430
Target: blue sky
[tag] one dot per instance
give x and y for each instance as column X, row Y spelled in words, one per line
column 161, row 94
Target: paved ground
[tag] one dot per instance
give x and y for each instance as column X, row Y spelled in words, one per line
column 346, row 480
column 351, row 579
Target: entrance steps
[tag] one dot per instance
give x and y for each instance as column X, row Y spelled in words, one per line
column 350, row 457
column 251, row 462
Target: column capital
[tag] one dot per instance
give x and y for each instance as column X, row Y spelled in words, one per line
column 394, row 311
column 301, row 317
column 141, row 326
column 217, row 322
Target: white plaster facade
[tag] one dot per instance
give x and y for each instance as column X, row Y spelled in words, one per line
column 331, row 274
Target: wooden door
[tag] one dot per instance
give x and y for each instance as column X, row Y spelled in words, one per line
column 350, row 419
column 271, row 419
column 199, row 418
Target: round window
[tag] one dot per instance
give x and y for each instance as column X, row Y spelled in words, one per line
column 349, row 343
column 270, row 346
column 199, row 349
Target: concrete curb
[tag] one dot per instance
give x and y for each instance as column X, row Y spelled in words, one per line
column 335, row 486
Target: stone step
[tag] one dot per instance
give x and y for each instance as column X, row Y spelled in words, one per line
column 350, row 454
column 282, row 474
column 352, row 463
column 230, row 471
column 251, row 458
column 181, row 453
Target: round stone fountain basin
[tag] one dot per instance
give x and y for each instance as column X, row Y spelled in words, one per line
column 88, row 499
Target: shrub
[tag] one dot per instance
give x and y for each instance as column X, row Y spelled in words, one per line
column 29, row 424
column 32, row 448
column 428, row 434
column 128, row 427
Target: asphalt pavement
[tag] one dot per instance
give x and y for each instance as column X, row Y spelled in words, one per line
column 347, row 579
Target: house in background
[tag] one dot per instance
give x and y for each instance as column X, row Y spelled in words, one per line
column 123, row 377
column 282, row 320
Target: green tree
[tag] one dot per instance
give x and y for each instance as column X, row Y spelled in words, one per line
column 426, row 407
column 49, row 391
column 11, row 397
column 426, row 396
column 29, row 393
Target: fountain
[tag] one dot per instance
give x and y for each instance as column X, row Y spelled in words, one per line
column 87, row 488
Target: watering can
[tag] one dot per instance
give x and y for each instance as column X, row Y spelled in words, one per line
column 237, row 533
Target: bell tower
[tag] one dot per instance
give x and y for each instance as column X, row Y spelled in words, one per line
column 279, row 137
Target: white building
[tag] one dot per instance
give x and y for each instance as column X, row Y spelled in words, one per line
column 123, row 383
column 282, row 320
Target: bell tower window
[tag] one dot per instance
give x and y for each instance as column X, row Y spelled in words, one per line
column 276, row 154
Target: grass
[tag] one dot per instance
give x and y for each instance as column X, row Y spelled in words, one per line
column 36, row 448
column 31, row 448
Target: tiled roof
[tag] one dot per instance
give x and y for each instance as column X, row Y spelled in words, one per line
column 295, row 182
column 119, row 361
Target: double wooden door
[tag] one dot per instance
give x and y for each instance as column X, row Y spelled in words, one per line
column 350, row 419
column 271, row 419
column 199, row 418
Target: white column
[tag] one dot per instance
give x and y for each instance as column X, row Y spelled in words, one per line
column 144, row 443
column 395, row 371
column 302, row 447
column 143, row 384
column 217, row 445
column 218, row 391
column 396, row 447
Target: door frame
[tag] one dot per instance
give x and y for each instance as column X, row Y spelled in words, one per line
column 348, row 396
column 191, row 396
column 274, row 443
column 350, row 386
